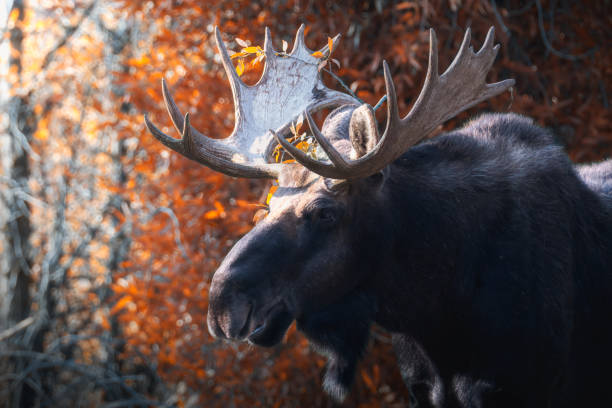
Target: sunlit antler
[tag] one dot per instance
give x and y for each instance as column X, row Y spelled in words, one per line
column 290, row 84
column 443, row 96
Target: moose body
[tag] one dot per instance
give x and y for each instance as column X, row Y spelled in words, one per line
column 484, row 251
column 496, row 263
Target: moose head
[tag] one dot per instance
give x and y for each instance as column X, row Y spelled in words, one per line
column 314, row 256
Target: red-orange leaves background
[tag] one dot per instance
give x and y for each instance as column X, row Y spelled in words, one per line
column 129, row 233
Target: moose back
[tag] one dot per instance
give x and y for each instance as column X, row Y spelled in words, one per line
column 484, row 251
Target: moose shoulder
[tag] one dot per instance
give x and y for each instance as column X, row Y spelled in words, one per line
column 484, row 251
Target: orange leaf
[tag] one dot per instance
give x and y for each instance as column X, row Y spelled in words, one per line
column 121, row 303
column 271, row 193
column 317, row 54
column 212, row 215
column 330, row 44
column 405, row 5
column 240, row 67
column 260, row 214
column 238, row 54
column 14, row 15
column 218, row 206
column 140, row 62
column 250, row 50
column 303, row 146
column 368, row 381
column 104, row 323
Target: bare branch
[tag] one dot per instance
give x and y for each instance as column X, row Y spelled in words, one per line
column 549, row 45
column 10, row 332
column 67, row 35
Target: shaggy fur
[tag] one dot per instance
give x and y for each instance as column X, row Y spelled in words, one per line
column 502, row 268
column 484, row 251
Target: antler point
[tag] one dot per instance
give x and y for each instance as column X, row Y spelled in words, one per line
column 432, row 69
column 185, row 132
column 268, row 47
column 218, row 38
column 467, row 39
column 164, row 84
column 147, row 121
column 298, row 42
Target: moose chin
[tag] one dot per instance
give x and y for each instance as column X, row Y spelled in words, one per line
column 484, row 251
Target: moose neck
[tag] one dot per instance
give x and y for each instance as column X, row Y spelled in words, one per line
column 432, row 211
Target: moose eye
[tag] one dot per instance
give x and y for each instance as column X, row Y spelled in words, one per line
column 325, row 216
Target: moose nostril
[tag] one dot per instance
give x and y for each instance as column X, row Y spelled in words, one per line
column 229, row 317
column 214, row 328
column 245, row 326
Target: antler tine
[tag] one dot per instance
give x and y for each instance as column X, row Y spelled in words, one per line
column 488, row 50
column 299, row 45
column 335, row 40
column 392, row 107
column 460, row 87
column 166, row 140
column 271, row 58
column 432, row 67
column 488, row 42
column 235, row 81
column 268, row 46
column 174, row 111
column 186, row 136
column 464, row 49
column 316, row 166
column 335, row 156
column 299, row 42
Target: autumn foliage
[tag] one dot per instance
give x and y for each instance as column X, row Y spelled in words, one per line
column 176, row 220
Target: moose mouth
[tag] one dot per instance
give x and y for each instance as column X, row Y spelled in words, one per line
column 274, row 326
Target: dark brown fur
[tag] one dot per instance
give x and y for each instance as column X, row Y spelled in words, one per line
column 484, row 252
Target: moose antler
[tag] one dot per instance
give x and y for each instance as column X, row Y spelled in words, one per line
column 443, row 96
column 290, row 84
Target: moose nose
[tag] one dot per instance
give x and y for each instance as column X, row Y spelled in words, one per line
column 229, row 313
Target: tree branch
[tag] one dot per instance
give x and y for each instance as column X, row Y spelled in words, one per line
column 67, row 35
column 11, row 331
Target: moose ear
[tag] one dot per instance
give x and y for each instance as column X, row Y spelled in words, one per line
column 363, row 130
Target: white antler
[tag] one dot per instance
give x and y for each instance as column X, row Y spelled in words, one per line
column 290, row 84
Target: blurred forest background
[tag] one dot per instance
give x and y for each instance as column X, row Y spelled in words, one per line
column 108, row 240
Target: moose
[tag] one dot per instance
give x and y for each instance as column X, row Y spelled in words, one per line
column 484, row 251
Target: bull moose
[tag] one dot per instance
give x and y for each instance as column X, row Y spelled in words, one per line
column 483, row 251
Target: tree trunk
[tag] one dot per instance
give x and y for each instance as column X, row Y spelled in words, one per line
column 17, row 124
column 16, row 128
